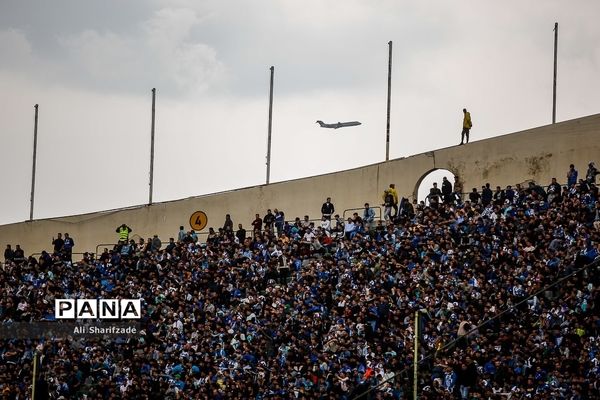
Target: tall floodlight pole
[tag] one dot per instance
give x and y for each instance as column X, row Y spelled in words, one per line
column 554, row 86
column 269, row 128
column 389, row 103
column 152, row 146
column 35, row 126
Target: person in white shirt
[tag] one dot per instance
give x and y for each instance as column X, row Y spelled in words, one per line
column 325, row 224
column 309, row 235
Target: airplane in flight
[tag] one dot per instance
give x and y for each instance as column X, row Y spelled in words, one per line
column 338, row 125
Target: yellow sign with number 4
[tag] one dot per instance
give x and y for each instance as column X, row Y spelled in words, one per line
column 198, row 220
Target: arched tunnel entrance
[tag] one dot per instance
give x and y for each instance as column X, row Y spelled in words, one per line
column 425, row 183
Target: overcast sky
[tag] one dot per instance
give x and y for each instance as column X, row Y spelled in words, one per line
column 91, row 65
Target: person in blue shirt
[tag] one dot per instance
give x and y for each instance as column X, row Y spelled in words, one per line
column 572, row 176
column 67, row 249
column 369, row 217
column 279, row 221
column 181, row 234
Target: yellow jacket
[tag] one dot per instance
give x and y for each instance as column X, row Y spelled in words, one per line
column 393, row 192
column 467, row 121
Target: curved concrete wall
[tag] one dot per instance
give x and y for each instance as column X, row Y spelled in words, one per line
column 538, row 154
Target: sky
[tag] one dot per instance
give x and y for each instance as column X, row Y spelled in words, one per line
column 91, row 67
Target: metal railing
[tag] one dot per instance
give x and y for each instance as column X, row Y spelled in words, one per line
column 378, row 214
column 293, row 221
column 112, row 246
column 72, row 254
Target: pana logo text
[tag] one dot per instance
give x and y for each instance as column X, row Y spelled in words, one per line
column 97, row 309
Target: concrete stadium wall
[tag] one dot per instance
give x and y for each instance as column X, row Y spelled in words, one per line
column 535, row 154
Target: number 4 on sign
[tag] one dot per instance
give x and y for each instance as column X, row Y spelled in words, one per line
column 198, row 220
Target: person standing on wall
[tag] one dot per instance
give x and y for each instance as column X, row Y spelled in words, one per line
column 467, row 125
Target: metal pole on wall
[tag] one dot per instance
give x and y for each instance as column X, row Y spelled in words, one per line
column 389, row 103
column 270, row 123
column 35, row 126
column 152, row 147
column 554, row 86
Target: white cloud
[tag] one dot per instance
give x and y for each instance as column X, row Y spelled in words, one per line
column 104, row 57
column 15, row 49
column 160, row 52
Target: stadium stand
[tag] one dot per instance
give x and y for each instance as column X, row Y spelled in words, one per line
column 318, row 313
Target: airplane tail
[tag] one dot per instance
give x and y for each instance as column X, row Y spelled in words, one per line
column 321, row 123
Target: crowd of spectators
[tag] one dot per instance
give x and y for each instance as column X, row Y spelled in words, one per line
column 325, row 311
